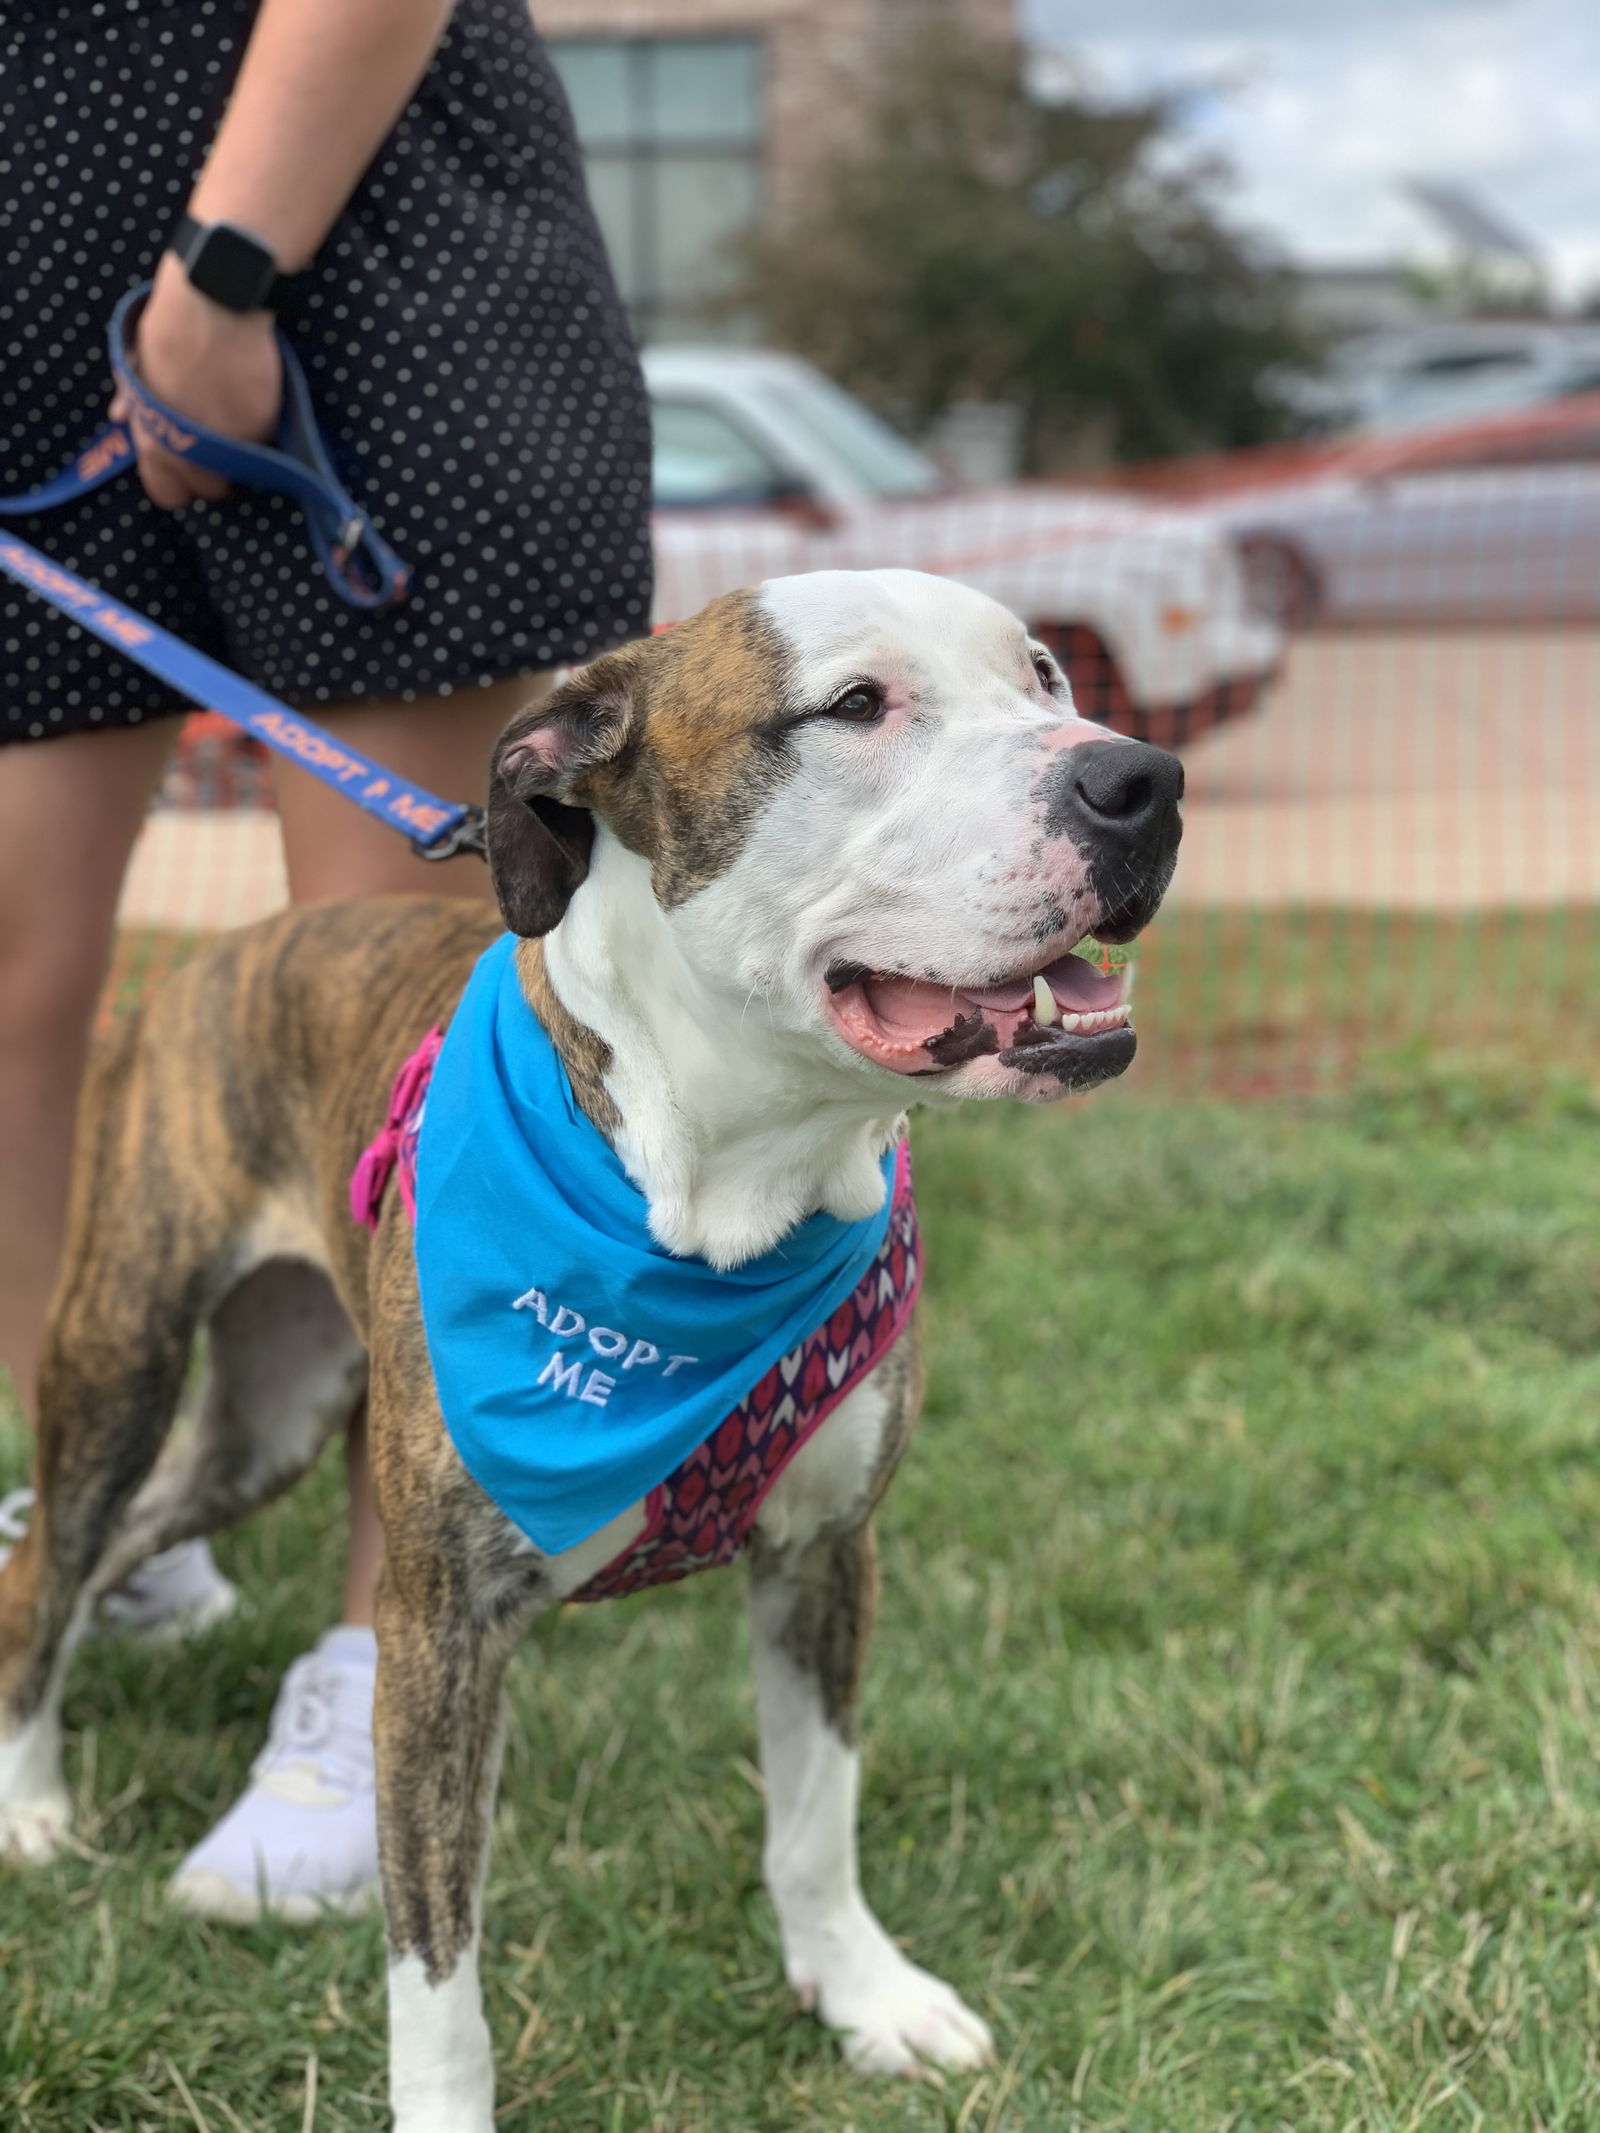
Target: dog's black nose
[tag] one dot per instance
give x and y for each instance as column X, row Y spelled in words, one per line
column 1122, row 788
column 1118, row 802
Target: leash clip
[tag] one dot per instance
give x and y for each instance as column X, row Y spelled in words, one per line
column 467, row 835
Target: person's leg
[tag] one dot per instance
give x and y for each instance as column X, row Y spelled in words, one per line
column 364, row 1551
column 303, row 1837
column 332, row 849
column 69, row 812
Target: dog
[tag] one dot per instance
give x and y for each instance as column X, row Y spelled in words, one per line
column 817, row 853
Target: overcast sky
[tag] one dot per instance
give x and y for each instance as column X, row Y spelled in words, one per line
column 1322, row 103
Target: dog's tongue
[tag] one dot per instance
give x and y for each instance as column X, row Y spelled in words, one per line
column 1079, row 987
column 911, row 1010
column 1008, row 998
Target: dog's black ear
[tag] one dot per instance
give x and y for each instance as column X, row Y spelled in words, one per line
column 541, row 823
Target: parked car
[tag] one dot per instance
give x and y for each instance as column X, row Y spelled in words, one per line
column 1490, row 521
column 765, row 467
column 1456, row 370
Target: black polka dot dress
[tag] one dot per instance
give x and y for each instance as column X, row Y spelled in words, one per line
column 466, row 350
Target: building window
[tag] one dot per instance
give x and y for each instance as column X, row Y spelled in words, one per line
column 671, row 129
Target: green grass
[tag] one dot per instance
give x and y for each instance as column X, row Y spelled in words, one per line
column 1292, row 1002
column 1234, row 1731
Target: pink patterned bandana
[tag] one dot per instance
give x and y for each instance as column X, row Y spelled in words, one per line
column 700, row 1517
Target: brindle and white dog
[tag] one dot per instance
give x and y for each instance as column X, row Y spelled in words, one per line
column 818, row 852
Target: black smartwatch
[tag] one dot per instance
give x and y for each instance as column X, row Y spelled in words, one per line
column 230, row 266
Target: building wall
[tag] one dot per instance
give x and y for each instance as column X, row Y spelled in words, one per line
column 822, row 56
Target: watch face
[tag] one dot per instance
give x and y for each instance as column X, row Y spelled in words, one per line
column 232, row 268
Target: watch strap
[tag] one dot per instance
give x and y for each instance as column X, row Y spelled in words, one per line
column 232, row 267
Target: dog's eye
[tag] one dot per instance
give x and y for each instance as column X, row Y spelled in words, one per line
column 1044, row 666
column 861, row 705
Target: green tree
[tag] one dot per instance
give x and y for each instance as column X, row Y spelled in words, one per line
column 1061, row 255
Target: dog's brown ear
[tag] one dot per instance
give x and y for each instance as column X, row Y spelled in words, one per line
column 541, row 824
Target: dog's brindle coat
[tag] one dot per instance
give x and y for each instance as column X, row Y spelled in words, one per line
column 647, row 810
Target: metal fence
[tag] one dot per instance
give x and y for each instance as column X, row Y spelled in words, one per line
column 1397, row 848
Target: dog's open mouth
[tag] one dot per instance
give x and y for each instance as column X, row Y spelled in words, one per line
column 1068, row 1021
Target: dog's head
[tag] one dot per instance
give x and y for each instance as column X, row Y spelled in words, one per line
column 864, row 800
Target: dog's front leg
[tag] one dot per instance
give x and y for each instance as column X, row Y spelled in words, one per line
column 437, row 1728
column 811, row 1616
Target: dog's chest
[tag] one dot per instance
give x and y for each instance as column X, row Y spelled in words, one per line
column 799, row 1451
column 829, row 1479
column 827, row 1483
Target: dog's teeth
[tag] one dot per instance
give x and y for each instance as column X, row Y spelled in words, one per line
column 1045, row 1009
column 1072, row 1022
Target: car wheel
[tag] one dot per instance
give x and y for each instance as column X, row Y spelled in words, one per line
column 1281, row 585
column 1098, row 689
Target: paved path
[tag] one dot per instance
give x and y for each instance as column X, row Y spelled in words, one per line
column 1407, row 771
column 1398, row 770
column 199, row 870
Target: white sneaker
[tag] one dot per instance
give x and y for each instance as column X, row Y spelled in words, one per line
column 171, row 1595
column 14, row 1511
column 303, row 1840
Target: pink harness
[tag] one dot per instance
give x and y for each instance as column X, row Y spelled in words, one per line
column 701, row 1515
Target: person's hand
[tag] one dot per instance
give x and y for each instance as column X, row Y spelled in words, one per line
column 219, row 367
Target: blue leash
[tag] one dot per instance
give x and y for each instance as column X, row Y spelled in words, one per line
column 362, row 569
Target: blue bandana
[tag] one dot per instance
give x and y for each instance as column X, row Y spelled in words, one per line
column 577, row 1360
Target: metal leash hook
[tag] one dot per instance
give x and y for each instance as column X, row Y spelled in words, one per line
column 470, row 834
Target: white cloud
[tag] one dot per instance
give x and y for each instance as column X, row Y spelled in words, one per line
column 1323, row 104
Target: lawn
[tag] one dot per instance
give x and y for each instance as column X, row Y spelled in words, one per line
column 1291, row 1002
column 1234, row 1732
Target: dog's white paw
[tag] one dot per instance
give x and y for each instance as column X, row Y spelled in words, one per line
column 446, row 2115
column 33, row 1831
column 35, row 1812
column 441, row 2063
column 893, row 2018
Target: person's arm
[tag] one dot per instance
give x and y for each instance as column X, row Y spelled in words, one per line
column 321, row 84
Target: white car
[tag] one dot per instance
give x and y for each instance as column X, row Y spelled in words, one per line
column 764, row 467
column 1490, row 521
